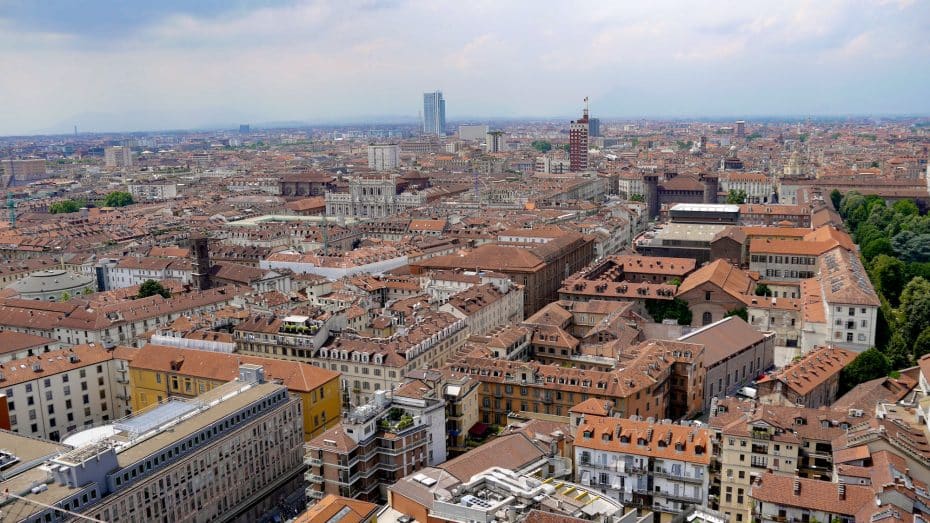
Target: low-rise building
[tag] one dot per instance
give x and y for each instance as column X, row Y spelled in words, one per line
column 779, row 498
column 158, row 373
column 734, row 355
column 812, row 381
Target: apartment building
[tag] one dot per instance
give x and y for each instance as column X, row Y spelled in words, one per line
column 850, row 303
column 538, row 263
column 752, row 439
column 375, row 445
column 158, row 373
column 292, row 337
column 371, row 364
column 216, row 458
column 487, row 306
column 18, row 345
column 658, row 466
column 778, row 499
column 54, row 393
column 641, row 385
column 812, row 381
column 627, row 277
column 121, row 322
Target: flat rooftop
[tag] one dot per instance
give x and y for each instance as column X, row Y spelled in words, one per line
column 705, row 207
column 284, row 218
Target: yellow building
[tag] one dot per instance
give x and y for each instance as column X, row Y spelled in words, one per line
column 158, row 372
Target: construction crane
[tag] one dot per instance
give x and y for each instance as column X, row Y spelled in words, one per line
column 11, row 207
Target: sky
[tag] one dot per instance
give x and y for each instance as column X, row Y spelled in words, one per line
column 134, row 65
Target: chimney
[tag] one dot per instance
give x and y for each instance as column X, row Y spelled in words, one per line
column 797, row 487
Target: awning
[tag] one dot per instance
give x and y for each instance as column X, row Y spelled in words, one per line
column 478, row 429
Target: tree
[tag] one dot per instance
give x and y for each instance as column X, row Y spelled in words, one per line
column 65, row 207
column 836, row 197
column 637, row 198
column 888, row 276
column 763, row 290
column 741, row 312
column 117, row 199
column 905, row 207
column 541, row 146
column 867, row 366
column 736, row 196
column 922, row 344
column 151, row 288
column 914, row 312
column 567, row 147
column 676, row 309
column 879, row 246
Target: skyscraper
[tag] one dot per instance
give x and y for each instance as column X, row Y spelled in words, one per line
column 578, row 142
column 434, row 113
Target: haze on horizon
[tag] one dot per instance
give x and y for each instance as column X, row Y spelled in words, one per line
column 106, row 66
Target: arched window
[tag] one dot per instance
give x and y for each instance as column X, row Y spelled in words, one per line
column 707, row 318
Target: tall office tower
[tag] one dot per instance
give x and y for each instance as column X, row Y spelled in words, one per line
column 578, row 142
column 594, row 127
column 383, row 157
column 740, row 128
column 495, row 141
column 244, row 129
column 434, row 114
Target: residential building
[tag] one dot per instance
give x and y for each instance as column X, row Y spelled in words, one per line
column 641, row 385
column 434, row 114
column 578, row 142
column 779, row 498
column 849, row 301
column 158, row 373
column 487, row 306
column 375, row 363
column 812, row 381
column 375, row 445
column 627, row 277
column 660, row 466
column 117, row 156
column 383, row 157
column 18, row 345
column 538, row 264
column 54, row 393
column 735, row 354
column 126, row 476
column 293, row 337
column 153, row 191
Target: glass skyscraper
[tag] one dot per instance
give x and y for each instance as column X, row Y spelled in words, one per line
column 434, row 113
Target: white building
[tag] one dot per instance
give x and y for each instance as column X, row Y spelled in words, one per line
column 153, row 191
column 659, row 465
column 383, row 157
column 56, row 393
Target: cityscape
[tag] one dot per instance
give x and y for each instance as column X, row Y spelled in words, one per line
column 358, row 302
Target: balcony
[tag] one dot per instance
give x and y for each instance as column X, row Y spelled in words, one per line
column 677, row 477
column 123, row 380
column 313, row 462
column 313, row 478
column 679, row 497
column 314, row 494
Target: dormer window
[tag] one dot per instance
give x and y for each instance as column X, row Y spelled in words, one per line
column 624, row 439
column 679, row 447
column 588, row 434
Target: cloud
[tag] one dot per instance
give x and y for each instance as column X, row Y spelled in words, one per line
column 187, row 63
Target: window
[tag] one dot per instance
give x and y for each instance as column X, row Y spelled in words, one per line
column 706, row 295
column 707, row 318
